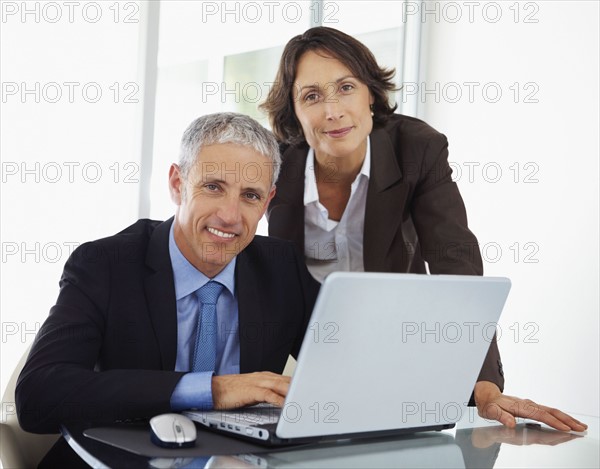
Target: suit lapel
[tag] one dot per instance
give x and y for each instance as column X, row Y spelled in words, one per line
column 160, row 294
column 386, row 198
column 249, row 314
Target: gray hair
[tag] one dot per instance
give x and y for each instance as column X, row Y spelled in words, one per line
column 227, row 127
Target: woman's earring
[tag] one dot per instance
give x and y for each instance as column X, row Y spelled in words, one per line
column 372, row 113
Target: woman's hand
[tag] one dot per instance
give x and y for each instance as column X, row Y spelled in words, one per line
column 493, row 405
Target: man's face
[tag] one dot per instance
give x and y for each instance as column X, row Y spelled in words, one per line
column 220, row 204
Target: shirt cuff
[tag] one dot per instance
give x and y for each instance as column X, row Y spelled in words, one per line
column 193, row 391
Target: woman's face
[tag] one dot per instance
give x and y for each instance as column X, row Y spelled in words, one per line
column 332, row 106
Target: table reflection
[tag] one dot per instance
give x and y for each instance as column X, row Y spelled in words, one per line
column 469, row 448
column 480, row 446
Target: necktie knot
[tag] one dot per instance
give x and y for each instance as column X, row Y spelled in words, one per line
column 210, row 292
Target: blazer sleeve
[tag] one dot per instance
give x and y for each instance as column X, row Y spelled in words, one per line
column 447, row 244
column 440, row 218
column 68, row 377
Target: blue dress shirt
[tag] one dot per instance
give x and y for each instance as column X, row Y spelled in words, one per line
column 194, row 389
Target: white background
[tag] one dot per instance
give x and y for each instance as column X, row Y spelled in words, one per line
column 543, row 234
column 557, row 297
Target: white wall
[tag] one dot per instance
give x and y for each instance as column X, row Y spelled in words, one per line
column 69, row 148
column 549, row 207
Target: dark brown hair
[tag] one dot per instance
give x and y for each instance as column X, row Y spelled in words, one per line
column 352, row 53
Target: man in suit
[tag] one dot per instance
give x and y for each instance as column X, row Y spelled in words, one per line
column 126, row 340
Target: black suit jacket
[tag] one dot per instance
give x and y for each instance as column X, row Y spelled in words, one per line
column 414, row 211
column 107, row 350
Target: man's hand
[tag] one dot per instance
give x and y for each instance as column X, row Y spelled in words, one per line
column 493, row 405
column 231, row 391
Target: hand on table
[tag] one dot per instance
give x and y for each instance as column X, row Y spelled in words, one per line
column 231, row 391
column 493, row 405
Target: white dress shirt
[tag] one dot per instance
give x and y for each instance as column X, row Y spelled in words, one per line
column 330, row 245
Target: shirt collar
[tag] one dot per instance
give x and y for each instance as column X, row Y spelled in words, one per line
column 311, row 193
column 366, row 167
column 188, row 279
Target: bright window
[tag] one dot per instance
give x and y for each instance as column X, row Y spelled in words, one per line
column 222, row 56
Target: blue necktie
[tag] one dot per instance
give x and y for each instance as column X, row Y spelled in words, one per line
column 205, row 351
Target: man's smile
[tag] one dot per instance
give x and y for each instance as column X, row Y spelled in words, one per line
column 220, row 233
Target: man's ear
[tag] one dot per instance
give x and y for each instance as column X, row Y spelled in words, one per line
column 175, row 184
column 269, row 198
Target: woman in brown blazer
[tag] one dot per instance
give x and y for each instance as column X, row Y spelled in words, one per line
column 364, row 189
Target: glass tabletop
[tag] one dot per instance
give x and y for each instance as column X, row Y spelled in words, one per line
column 473, row 443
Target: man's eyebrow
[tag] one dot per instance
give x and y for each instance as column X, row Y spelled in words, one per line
column 214, row 180
column 315, row 86
column 208, row 178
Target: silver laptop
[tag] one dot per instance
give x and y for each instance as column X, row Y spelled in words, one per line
column 384, row 354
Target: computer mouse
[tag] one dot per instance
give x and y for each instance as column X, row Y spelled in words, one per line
column 172, row 431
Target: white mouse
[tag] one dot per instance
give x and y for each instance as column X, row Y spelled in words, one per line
column 172, row 431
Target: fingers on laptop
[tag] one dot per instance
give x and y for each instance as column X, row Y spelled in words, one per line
column 231, row 391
